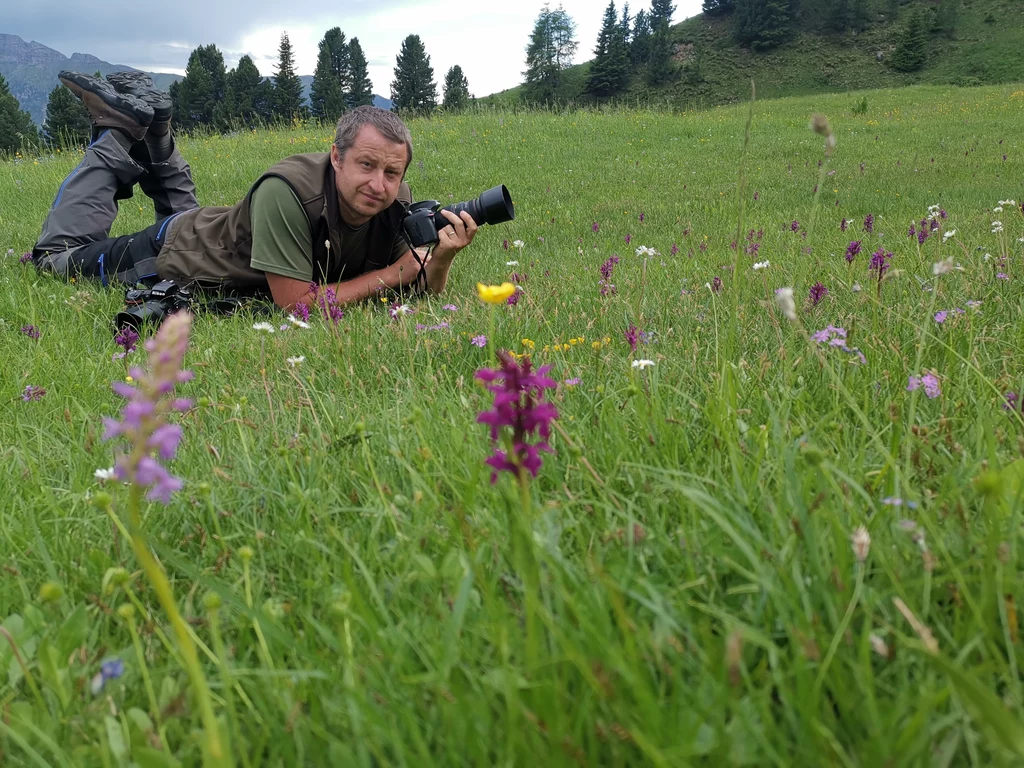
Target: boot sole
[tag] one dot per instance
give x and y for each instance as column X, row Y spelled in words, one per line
column 106, row 114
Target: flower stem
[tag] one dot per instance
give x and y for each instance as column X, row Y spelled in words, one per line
column 214, row 753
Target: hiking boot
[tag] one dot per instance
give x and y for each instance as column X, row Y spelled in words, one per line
column 141, row 86
column 107, row 107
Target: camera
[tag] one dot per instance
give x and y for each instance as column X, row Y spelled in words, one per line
column 423, row 220
column 152, row 305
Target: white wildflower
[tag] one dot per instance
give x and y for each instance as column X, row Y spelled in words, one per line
column 948, row 234
column 762, row 265
column 643, row 250
column 104, row 474
column 401, row 310
column 641, row 364
column 293, row 361
column 785, row 298
column 856, row 288
column 263, row 327
column 861, row 541
column 997, row 226
column 518, row 244
column 511, row 263
column 997, row 209
column 296, row 322
column 943, row 267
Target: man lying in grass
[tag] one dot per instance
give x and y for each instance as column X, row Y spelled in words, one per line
column 329, row 218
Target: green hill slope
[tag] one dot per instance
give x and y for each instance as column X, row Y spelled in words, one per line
column 710, row 67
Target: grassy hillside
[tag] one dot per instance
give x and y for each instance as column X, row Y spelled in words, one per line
column 711, row 68
column 757, row 542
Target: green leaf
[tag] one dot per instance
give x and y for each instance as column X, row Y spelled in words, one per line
column 50, row 670
column 115, row 739
column 147, row 757
column 73, row 631
column 988, row 712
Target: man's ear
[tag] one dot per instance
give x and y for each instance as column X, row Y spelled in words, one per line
column 335, row 157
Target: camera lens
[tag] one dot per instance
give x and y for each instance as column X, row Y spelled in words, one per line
column 492, row 207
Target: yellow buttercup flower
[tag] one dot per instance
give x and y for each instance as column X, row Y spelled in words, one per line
column 494, row 294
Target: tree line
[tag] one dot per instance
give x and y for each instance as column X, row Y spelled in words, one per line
column 212, row 96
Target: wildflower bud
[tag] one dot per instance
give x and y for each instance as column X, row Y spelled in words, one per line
column 114, row 578
column 204, row 402
column 879, row 646
column 340, row 604
column 204, row 489
column 102, row 500
column 575, row 451
column 861, row 542
column 126, row 611
column 211, row 602
column 274, row 608
column 51, row 592
column 784, row 296
column 359, row 428
column 246, row 554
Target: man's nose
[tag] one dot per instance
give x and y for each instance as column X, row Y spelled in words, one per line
column 377, row 181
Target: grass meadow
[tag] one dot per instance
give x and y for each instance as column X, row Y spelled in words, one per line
column 785, row 542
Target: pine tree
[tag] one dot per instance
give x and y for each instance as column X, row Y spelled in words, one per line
column 199, row 97
column 287, row 86
column 362, row 89
column 912, row 51
column 456, row 90
column 661, row 10
column 552, row 46
column 609, row 71
column 625, row 28
column 763, row 24
column 659, row 65
column 718, row 7
column 341, row 58
column 640, row 42
column 16, row 128
column 413, row 89
column 243, row 93
column 326, row 99
column 67, row 119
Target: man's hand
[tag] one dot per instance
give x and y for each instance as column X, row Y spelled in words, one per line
column 457, row 235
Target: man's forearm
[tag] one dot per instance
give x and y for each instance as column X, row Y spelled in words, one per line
column 437, row 273
column 363, row 286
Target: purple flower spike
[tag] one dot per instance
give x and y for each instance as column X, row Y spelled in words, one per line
column 32, row 392
column 143, row 418
column 479, row 341
column 869, row 223
column 852, row 250
column 595, row 227
column 518, row 406
column 631, row 337
column 31, row 331
column 843, row 224
column 817, row 293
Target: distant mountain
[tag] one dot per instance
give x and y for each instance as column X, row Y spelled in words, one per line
column 31, row 71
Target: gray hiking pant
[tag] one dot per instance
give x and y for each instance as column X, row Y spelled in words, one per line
column 75, row 240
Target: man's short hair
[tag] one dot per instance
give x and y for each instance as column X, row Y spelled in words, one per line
column 388, row 123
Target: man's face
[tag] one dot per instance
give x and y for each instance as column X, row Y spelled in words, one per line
column 368, row 175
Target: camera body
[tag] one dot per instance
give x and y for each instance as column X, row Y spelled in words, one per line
column 423, row 220
column 152, row 305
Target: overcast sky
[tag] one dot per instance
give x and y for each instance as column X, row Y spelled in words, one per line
column 487, row 38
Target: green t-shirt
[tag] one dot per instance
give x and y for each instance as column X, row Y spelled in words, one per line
column 281, row 241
